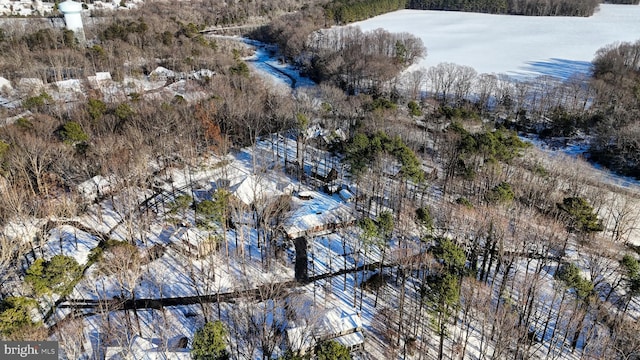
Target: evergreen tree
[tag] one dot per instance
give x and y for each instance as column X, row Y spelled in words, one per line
column 332, row 350
column 210, row 342
column 582, row 216
column 57, row 275
column 443, row 292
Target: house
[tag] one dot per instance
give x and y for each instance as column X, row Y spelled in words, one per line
column 341, row 325
column 145, row 349
column 5, row 85
column 319, row 213
column 346, row 195
column 161, row 73
column 203, row 74
column 68, row 90
column 96, row 187
column 99, row 78
column 30, row 85
column 254, row 189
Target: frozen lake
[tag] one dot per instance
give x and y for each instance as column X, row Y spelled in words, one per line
column 515, row 45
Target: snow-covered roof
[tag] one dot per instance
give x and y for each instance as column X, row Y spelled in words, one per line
column 5, row 83
column 67, row 90
column 299, row 338
column 188, row 89
column 343, row 325
column 103, row 75
column 338, row 134
column 329, row 136
column 70, row 241
column 71, row 84
column 254, row 188
column 320, row 211
column 314, row 131
column 145, row 349
column 162, row 72
column 99, row 78
column 142, row 85
column 203, row 74
column 346, row 195
column 95, row 187
column 30, row 84
column 350, row 340
column 340, row 321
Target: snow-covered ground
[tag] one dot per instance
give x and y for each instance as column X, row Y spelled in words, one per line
column 39, row 8
column 515, row 45
column 267, row 62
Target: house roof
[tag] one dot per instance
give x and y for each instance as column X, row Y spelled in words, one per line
column 162, row 72
column 145, row 349
column 319, row 211
column 340, row 321
column 254, row 188
column 95, row 186
column 4, row 82
column 338, row 324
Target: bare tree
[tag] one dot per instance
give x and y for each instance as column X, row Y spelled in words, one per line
column 70, row 333
column 416, row 81
column 11, row 252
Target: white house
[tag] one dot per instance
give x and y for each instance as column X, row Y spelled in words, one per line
column 5, row 85
column 341, row 325
column 145, row 349
column 319, row 213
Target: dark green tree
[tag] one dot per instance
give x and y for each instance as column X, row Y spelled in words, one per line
column 570, row 275
column 180, row 203
column 210, row 342
column 73, row 134
column 332, row 350
column 240, row 68
column 414, row 108
column 38, row 102
column 58, row 275
column 581, row 214
column 15, row 318
column 424, row 218
column 123, row 112
column 501, row 194
column 631, row 273
column 96, row 108
column 443, row 292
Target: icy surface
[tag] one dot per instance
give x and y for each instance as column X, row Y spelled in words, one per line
column 516, row 45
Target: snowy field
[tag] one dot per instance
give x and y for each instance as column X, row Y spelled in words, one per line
column 515, row 45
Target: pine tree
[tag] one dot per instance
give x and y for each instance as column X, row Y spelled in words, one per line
column 210, row 342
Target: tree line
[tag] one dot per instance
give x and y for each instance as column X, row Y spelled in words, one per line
column 616, row 75
column 343, row 12
column 512, row 7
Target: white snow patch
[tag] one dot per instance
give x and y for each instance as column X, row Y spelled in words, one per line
column 515, row 45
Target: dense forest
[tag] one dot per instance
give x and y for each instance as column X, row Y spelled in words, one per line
column 617, row 129
column 344, row 12
column 512, row 7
